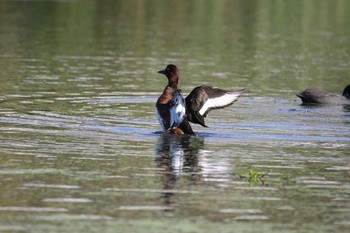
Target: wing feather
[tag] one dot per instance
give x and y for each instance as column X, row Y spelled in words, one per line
column 205, row 98
column 219, row 102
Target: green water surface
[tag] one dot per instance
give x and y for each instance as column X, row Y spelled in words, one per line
column 80, row 146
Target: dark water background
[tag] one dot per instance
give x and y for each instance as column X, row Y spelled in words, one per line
column 80, row 148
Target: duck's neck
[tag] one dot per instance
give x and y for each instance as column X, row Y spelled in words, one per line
column 173, row 81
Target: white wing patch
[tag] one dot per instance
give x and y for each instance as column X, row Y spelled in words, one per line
column 219, row 102
column 177, row 110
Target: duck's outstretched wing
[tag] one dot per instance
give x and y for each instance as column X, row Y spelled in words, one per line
column 205, row 98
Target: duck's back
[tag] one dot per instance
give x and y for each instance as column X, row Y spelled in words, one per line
column 315, row 96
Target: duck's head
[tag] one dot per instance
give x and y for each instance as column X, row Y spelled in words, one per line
column 171, row 72
column 346, row 92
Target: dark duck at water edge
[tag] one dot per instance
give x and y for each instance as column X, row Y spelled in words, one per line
column 174, row 112
column 315, row 96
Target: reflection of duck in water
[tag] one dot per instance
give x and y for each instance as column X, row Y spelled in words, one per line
column 175, row 153
column 174, row 112
column 315, row 96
